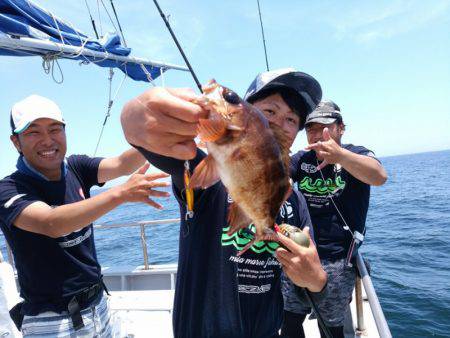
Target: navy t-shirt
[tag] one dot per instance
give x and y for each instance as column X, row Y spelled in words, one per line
column 219, row 294
column 350, row 195
column 50, row 270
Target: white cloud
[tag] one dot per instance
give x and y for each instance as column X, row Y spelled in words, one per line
column 368, row 23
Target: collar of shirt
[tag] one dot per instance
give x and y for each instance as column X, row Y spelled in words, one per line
column 25, row 168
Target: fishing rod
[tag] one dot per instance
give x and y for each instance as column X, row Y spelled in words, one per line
column 118, row 22
column 197, row 82
column 263, row 37
column 322, row 324
column 189, row 192
column 92, row 19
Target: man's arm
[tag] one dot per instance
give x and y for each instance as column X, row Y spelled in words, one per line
column 40, row 218
column 364, row 168
column 123, row 165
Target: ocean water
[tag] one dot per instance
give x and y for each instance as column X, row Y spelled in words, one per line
column 407, row 242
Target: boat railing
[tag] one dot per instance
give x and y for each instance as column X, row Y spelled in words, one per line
column 141, row 224
column 377, row 311
column 380, row 319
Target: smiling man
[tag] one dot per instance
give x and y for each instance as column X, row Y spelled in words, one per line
column 46, row 214
column 220, row 293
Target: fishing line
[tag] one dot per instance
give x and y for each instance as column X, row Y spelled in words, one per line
column 357, row 237
column 345, row 227
column 197, row 82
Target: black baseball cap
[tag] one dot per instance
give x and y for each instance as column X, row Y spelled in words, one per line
column 305, row 86
column 326, row 112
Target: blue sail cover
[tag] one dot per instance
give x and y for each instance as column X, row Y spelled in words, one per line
column 20, row 18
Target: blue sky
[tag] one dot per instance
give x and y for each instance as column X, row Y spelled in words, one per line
column 385, row 63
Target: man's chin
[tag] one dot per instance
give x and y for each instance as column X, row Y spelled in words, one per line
column 47, row 164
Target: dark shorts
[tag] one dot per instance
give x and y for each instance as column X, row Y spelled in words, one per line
column 333, row 301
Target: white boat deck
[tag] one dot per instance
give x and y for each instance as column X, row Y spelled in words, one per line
column 137, row 312
column 141, row 303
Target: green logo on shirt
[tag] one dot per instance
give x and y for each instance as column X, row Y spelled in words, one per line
column 320, row 186
column 241, row 238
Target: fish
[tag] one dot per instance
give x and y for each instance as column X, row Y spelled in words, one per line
column 249, row 154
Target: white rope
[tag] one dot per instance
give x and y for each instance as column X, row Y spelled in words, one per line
column 48, row 64
column 110, row 104
column 109, row 16
column 147, row 74
column 161, row 73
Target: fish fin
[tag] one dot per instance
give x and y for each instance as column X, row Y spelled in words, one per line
column 246, row 247
column 284, row 143
column 205, row 174
column 211, row 130
column 210, row 86
column 201, row 144
column 237, row 219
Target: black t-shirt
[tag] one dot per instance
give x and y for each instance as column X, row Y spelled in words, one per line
column 50, row 270
column 219, row 294
column 350, row 195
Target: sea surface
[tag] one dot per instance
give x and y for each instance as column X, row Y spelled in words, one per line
column 407, row 242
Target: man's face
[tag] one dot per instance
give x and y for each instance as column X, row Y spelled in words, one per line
column 278, row 112
column 314, row 132
column 43, row 144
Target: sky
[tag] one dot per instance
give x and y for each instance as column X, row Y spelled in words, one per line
column 385, row 63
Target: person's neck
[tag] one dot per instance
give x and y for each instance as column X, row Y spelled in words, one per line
column 50, row 175
column 53, row 175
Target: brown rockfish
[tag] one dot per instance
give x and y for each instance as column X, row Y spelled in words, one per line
column 248, row 154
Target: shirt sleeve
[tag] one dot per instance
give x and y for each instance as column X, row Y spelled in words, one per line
column 87, row 168
column 14, row 198
column 360, row 150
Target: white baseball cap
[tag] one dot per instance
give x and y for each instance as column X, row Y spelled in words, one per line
column 33, row 107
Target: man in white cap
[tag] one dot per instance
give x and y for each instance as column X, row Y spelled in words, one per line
column 46, row 215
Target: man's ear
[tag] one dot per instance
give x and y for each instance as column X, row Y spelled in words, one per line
column 15, row 140
column 341, row 129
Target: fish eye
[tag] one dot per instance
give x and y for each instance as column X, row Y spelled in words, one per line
column 231, row 97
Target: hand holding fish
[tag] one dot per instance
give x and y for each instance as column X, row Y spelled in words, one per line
column 301, row 265
column 164, row 121
column 329, row 150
